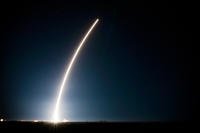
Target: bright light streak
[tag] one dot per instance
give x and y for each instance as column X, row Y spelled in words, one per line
column 56, row 111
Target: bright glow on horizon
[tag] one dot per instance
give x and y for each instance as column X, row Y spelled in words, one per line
column 65, row 120
column 56, row 118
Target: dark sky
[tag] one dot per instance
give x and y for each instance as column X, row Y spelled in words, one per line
column 136, row 65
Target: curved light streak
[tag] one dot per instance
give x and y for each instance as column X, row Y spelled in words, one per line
column 56, row 111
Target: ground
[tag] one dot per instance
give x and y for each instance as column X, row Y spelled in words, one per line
column 93, row 126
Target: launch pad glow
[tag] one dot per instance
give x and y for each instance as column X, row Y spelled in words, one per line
column 56, row 118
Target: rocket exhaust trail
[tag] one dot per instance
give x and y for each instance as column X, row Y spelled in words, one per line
column 56, row 111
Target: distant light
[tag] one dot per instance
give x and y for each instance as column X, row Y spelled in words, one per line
column 1, row 120
column 65, row 120
column 35, row 121
column 57, row 122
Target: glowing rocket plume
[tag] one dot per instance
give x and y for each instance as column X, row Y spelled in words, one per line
column 56, row 111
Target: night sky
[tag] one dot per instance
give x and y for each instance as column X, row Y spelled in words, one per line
column 135, row 66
